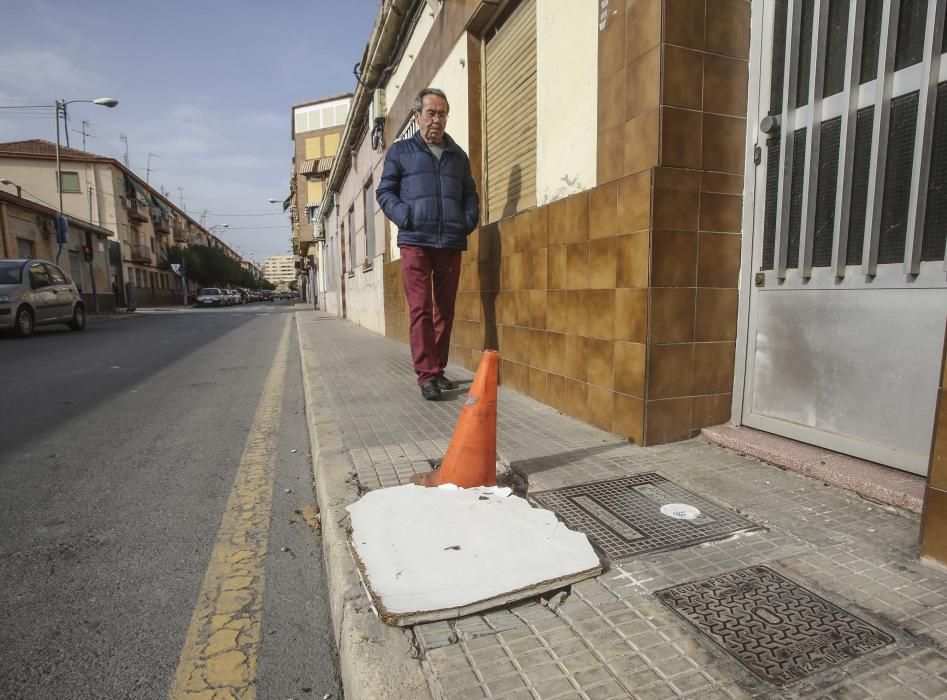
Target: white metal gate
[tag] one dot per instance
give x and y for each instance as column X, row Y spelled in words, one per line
column 847, row 298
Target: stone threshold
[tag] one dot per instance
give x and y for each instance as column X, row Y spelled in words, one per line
column 868, row 479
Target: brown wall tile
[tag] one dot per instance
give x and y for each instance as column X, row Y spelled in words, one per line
column 728, row 27
column 938, row 467
column 600, row 404
column 556, row 353
column 537, row 349
column 628, row 418
column 556, row 391
column 632, row 253
column 577, row 266
column 488, row 275
column 670, row 371
column 725, row 85
column 577, row 394
column 490, row 245
column 601, row 361
column 643, row 83
column 537, row 384
column 680, row 137
column 537, row 302
column 683, row 77
column 610, row 156
column 556, row 267
column 538, row 228
column 721, row 183
column 676, row 210
column 934, row 528
column 538, row 273
column 516, row 344
column 673, row 259
column 630, row 368
column 603, row 211
column 721, row 212
column 672, row 314
column 577, row 357
column 642, row 27
column 611, row 43
column 716, row 315
column 666, row 178
column 634, row 202
column 667, row 421
column 569, row 219
column 684, row 23
column 631, row 315
column 713, row 368
column 577, row 304
column 515, row 376
column 514, row 272
column 612, row 100
column 602, row 264
column 718, row 259
column 557, row 311
column 601, row 310
column 723, row 143
column 710, row 410
column 641, row 139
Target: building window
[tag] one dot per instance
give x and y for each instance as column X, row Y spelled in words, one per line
column 70, row 182
column 367, row 199
column 25, row 248
column 351, row 224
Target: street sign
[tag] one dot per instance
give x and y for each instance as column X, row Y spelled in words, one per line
column 176, row 268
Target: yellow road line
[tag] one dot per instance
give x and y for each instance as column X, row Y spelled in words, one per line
column 219, row 657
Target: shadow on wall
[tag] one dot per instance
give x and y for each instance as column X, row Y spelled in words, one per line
column 491, row 251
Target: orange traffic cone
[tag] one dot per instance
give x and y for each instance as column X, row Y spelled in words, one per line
column 471, row 456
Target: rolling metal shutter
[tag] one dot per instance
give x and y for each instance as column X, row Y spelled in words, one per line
column 510, row 111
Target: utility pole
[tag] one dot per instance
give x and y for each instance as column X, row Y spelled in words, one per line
column 148, row 168
column 124, row 140
column 65, row 122
column 181, row 195
column 84, row 133
column 204, row 219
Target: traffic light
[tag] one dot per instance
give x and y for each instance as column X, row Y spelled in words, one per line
column 87, row 247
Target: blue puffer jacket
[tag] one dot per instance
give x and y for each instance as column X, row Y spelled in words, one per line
column 433, row 204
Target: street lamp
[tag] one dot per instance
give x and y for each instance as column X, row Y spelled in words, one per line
column 109, row 102
column 8, row 181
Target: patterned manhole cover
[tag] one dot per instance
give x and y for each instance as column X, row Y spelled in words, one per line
column 776, row 628
column 640, row 513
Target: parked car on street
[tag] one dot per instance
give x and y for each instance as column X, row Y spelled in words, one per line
column 266, row 295
column 37, row 293
column 237, row 296
column 212, row 296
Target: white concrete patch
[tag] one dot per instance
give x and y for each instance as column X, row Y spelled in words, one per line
column 438, row 553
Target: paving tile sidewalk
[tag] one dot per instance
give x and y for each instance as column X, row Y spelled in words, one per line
column 612, row 637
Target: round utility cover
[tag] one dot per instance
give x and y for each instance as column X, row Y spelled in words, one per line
column 680, row 511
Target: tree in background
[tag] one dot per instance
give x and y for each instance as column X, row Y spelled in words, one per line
column 210, row 267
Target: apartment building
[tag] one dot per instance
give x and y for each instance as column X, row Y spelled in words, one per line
column 280, row 269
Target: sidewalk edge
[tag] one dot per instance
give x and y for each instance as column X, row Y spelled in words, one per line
column 376, row 661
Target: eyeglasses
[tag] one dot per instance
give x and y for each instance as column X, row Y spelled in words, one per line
column 430, row 114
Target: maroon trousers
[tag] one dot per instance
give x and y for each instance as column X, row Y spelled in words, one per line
column 430, row 276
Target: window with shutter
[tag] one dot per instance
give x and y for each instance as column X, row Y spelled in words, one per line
column 510, row 114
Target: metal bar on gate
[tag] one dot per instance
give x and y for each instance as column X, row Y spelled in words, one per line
column 784, row 191
column 924, row 136
column 814, row 138
column 846, row 153
column 879, row 134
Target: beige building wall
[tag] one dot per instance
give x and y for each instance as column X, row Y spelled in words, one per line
column 566, row 104
column 412, row 50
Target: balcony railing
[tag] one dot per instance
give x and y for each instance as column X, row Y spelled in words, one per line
column 137, row 209
column 139, row 253
column 160, row 222
column 179, row 233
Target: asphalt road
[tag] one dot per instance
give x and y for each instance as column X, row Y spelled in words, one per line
column 119, row 448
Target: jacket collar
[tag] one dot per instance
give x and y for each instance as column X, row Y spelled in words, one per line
column 449, row 143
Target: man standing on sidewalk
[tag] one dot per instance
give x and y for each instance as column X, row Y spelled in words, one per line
column 428, row 191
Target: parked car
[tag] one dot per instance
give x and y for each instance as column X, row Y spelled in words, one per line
column 37, row 293
column 266, row 295
column 211, row 296
column 237, row 296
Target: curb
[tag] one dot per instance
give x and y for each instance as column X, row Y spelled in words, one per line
column 375, row 661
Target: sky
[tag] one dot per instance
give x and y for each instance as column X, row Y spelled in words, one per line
column 206, row 86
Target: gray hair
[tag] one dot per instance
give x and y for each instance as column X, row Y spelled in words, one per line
column 418, row 101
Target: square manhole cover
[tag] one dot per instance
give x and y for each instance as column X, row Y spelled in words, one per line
column 779, row 630
column 641, row 513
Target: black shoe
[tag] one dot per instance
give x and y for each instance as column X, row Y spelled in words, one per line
column 430, row 390
column 443, row 383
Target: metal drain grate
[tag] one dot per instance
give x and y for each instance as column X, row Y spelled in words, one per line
column 639, row 514
column 779, row 630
